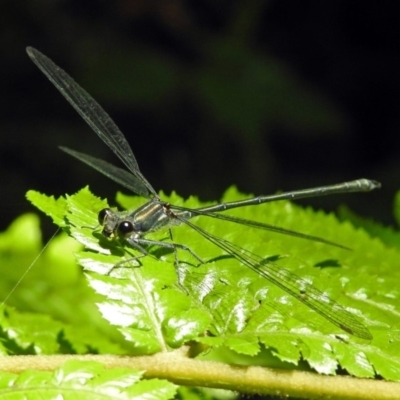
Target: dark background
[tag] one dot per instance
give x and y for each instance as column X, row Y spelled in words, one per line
column 267, row 95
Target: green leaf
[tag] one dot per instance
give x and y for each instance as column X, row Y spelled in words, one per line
column 54, row 208
column 83, row 380
column 45, row 287
column 35, row 333
column 387, row 234
column 229, row 308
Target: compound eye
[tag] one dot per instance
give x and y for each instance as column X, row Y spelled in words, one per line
column 125, row 228
column 103, row 214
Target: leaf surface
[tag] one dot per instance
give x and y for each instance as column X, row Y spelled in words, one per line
column 230, row 309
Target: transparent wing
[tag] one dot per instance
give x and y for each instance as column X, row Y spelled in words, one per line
column 91, row 112
column 118, row 175
column 255, row 224
column 297, row 287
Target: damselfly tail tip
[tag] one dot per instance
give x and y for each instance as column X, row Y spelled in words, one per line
column 366, row 185
column 372, row 184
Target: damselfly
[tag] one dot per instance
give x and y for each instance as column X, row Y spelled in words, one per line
column 156, row 214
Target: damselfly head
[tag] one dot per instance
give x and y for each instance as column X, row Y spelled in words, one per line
column 114, row 226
